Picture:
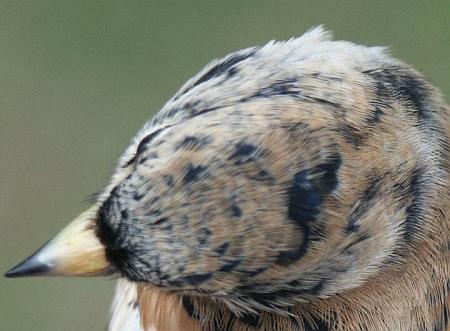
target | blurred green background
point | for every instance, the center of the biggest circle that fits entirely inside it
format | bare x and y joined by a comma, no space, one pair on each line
78,78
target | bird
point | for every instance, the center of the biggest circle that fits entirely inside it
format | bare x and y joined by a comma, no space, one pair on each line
299,185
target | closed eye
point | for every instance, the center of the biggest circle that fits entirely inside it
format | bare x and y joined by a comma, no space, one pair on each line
143,145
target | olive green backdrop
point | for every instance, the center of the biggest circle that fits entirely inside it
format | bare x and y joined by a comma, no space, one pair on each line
78,78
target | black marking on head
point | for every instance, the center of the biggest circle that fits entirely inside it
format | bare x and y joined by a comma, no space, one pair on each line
322,101
196,279
326,77
221,250
376,115
416,91
381,92
286,87
105,231
188,107
204,236
113,230
229,266
252,273
365,202
232,72
304,198
285,258
236,211
382,100
124,214
224,67
149,156
406,86
143,145
153,213
328,173
197,112
137,196
305,195
317,289
193,143
358,240
263,176
154,200
297,127
193,173
168,179
243,153
249,319
414,212
352,134
112,238
314,290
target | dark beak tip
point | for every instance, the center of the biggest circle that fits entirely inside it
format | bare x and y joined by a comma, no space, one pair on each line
29,267
11,273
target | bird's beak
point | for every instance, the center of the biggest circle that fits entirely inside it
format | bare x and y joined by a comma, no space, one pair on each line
75,251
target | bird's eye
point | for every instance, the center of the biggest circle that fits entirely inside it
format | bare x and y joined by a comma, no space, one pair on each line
143,145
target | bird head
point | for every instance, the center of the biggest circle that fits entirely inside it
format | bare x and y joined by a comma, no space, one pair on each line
246,210
271,177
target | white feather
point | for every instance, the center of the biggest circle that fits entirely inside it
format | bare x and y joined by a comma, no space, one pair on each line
124,313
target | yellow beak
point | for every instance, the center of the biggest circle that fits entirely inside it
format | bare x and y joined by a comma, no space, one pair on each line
75,251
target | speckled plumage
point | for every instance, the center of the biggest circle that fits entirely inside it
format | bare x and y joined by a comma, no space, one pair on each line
303,185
